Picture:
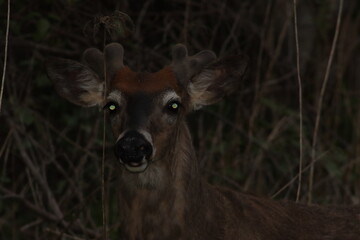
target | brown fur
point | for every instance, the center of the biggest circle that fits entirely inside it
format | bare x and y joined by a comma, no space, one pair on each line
186,207
131,82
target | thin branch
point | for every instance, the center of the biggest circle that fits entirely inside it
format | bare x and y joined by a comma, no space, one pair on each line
61,234
140,19
37,175
232,33
5,53
295,177
186,22
10,195
103,187
254,107
276,131
301,140
44,48
322,93
37,210
64,137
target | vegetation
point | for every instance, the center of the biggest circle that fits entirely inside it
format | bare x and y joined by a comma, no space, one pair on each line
51,151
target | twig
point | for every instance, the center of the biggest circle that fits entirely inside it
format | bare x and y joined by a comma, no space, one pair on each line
277,129
301,140
5,145
232,34
5,54
140,19
218,24
8,194
35,172
322,93
31,225
226,179
37,210
279,47
103,187
255,100
294,178
61,234
42,47
186,22
61,135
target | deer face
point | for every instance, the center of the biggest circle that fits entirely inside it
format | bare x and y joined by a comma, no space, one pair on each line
145,109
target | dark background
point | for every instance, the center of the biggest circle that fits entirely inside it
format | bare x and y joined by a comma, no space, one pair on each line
50,150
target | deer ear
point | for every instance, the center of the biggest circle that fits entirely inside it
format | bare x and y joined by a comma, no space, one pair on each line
75,82
217,80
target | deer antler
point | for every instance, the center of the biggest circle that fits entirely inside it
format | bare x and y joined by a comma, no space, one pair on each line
185,67
94,58
113,55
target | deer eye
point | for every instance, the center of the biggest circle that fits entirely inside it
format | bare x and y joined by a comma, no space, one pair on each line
112,107
173,107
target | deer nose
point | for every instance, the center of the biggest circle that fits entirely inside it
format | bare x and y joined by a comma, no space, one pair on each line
133,148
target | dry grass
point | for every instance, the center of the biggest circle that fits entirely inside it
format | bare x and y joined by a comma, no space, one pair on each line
50,151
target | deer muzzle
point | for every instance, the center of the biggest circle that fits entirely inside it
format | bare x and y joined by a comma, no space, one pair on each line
134,151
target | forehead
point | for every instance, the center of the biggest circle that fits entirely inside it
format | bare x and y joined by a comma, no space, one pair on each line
130,82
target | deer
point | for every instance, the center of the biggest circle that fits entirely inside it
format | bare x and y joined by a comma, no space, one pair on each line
163,194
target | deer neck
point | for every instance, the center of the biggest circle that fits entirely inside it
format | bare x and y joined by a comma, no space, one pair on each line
163,195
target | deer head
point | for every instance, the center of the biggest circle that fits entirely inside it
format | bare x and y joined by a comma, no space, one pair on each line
145,109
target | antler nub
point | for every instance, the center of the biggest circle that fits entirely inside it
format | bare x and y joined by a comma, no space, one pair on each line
179,53
94,58
185,67
114,57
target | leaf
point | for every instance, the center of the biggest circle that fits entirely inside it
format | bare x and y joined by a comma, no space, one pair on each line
25,115
332,168
43,27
